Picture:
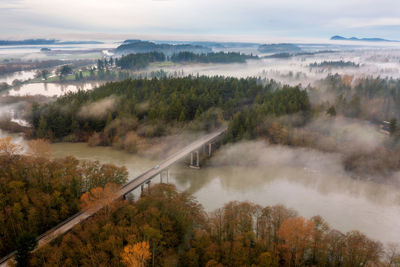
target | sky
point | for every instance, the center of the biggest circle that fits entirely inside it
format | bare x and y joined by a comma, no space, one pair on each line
229,20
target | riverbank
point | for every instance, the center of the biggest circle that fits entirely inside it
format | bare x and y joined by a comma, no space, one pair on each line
311,182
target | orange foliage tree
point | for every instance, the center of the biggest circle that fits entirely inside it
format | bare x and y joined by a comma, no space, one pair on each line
136,255
8,148
99,197
296,234
39,148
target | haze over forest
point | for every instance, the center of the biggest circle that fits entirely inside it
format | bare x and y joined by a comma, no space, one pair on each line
187,133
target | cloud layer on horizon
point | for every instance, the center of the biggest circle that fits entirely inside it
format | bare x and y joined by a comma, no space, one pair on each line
277,18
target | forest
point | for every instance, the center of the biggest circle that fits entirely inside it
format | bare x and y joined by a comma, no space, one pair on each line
220,57
151,107
137,46
37,192
167,228
139,61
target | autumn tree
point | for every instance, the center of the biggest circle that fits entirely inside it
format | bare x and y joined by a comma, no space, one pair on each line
360,250
296,234
100,197
39,148
8,148
136,255
37,194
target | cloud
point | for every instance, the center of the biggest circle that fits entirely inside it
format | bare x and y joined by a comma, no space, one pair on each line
366,22
311,18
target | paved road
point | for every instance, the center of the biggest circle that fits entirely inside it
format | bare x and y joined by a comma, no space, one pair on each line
68,224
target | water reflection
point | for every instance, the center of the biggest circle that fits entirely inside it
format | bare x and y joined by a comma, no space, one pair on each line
21,75
50,89
310,182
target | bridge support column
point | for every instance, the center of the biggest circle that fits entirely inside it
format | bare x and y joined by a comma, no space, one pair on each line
148,185
209,149
167,176
161,177
141,188
197,165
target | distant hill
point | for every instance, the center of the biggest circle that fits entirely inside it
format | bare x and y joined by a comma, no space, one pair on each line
130,41
278,48
44,42
136,46
341,38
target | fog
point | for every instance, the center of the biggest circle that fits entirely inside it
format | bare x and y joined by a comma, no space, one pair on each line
98,109
309,181
313,180
374,62
348,135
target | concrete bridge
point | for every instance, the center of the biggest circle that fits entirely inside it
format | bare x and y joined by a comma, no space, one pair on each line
205,144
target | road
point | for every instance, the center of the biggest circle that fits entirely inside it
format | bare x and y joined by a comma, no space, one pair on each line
68,224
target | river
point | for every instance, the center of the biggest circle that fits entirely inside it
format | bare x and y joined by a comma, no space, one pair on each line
50,89
19,75
310,182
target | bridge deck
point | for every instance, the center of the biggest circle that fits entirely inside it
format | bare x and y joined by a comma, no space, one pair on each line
68,224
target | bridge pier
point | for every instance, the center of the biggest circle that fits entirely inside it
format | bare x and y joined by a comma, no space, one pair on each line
164,174
197,165
148,184
167,176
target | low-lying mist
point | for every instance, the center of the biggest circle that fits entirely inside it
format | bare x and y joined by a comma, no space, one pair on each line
99,109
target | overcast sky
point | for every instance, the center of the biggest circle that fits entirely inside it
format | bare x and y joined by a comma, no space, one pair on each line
252,20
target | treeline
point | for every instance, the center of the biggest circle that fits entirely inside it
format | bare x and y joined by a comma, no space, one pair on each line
220,57
139,61
146,106
37,193
138,46
375,99
142,60
334,64
166,228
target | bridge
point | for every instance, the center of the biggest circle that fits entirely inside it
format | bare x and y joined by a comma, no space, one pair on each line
205,144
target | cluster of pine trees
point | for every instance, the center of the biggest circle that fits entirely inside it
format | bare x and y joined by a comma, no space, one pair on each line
147,106
139,61
212,57
167,228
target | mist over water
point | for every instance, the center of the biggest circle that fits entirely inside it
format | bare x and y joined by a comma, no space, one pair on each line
21,75
49,89
309,181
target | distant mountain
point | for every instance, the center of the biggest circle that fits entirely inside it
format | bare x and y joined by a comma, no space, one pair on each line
341,38
278,48
45,42
136,46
